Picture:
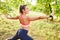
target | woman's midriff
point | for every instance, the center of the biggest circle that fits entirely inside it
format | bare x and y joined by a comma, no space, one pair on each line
25,27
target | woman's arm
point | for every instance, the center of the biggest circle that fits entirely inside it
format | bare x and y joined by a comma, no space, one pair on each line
10,17
38,17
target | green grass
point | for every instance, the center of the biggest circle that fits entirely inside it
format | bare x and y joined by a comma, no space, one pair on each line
38,30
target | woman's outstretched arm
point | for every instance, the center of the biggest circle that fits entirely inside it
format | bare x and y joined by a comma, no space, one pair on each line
38,17
5,15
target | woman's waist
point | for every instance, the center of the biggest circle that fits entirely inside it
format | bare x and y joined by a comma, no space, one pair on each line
25,27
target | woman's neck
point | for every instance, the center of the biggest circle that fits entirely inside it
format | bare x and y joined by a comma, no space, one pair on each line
23,13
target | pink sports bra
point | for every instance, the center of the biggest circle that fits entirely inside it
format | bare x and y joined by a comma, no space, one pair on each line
24,22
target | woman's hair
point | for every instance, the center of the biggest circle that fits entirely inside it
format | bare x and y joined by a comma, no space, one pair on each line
22,7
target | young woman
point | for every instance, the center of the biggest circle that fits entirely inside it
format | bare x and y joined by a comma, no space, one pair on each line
25,21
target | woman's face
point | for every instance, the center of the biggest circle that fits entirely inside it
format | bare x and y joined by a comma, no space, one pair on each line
26,10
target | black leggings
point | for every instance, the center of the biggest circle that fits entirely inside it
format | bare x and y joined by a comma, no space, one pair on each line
22,35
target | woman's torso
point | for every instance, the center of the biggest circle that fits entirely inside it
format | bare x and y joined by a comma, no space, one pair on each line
24,20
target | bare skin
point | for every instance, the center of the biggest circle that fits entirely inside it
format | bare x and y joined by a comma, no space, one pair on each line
30,18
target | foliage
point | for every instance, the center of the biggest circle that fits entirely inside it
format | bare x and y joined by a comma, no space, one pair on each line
41,6
9,5
46,6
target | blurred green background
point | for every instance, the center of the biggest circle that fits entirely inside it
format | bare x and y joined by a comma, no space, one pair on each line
42,29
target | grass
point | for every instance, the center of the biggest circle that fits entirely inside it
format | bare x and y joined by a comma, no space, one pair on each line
38,30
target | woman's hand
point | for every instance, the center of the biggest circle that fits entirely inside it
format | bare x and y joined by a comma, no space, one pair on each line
51,16
5,15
